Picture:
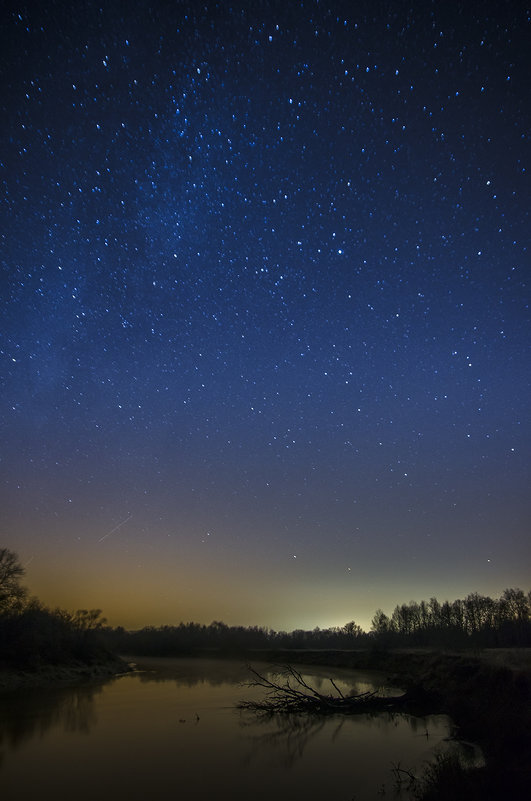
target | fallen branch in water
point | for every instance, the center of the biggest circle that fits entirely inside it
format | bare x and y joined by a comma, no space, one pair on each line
295,695
403,778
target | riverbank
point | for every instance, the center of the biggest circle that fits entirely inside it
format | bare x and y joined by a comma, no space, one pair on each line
55,675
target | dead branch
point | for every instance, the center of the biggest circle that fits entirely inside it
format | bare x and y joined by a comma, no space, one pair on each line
336,688
399,772
296,695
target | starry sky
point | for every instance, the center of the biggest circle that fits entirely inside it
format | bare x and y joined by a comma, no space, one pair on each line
264,306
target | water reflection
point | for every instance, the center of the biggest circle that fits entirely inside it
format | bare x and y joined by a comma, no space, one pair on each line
287,737
215,672
174,728
191,672
71,708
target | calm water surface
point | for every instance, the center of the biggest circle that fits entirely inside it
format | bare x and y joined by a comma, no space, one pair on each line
172,731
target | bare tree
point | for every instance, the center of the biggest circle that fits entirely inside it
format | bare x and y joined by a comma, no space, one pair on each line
87,620
12,593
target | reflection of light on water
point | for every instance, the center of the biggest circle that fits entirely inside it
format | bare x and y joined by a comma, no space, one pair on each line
349,682
31,712
178,711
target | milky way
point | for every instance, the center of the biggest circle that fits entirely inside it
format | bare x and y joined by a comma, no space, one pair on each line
264,306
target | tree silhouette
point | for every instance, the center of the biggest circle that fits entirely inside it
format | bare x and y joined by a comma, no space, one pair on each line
12,593
353,629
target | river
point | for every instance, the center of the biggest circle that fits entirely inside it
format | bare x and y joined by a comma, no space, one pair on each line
172,731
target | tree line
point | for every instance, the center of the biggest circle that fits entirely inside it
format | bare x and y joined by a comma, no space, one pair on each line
476,620
32,634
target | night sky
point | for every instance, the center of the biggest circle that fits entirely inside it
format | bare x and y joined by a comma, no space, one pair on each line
264,306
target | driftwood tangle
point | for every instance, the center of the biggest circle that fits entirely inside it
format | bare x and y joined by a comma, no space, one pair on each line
295,695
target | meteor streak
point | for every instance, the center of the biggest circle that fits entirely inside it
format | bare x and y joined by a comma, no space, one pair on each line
115,528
